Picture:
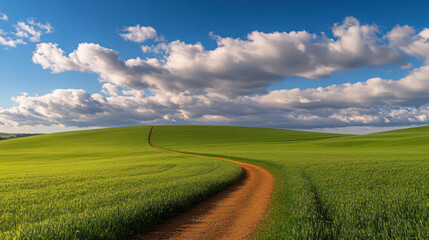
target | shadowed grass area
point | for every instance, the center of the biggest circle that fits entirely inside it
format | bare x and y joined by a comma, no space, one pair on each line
98,184
5,135
328,186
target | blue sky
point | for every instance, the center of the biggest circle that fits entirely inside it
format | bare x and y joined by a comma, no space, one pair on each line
101,22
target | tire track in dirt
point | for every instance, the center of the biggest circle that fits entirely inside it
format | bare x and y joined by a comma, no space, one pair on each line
232,214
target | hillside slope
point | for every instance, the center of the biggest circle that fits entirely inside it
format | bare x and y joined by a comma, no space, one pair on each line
109,183
328,186
98,184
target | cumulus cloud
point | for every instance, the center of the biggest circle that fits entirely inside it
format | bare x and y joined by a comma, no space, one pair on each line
57,62
89,57
140,34
3,16
376,102
110,89
77,108
405,38
236,66
227,85
412,90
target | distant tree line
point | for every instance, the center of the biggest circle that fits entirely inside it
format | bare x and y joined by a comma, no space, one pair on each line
18,135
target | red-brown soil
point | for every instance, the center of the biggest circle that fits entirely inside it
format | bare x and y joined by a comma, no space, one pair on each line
232,214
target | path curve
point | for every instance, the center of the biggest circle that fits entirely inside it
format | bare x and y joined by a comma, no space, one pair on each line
232,214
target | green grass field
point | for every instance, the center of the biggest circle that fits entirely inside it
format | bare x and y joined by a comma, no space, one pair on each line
110,184
328,186
98,184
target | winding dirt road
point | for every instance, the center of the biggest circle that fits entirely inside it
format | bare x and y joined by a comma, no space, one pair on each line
231,214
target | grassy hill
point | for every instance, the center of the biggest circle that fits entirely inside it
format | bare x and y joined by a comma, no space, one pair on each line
328,186
110,184
98,184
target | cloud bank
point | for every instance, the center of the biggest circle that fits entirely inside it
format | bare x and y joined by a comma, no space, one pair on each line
235,67
186,83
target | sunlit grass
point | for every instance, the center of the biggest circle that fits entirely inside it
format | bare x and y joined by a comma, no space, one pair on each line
110,184
328,186
98,184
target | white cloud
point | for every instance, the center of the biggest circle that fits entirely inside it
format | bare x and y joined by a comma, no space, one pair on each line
110,89
9,42
376,102
3,16
32,31
47,28
139,34
77,108
227,85
57,62
412,90
406,66
405,38
236,66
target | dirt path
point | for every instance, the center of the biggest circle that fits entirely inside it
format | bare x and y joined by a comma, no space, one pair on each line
231,214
